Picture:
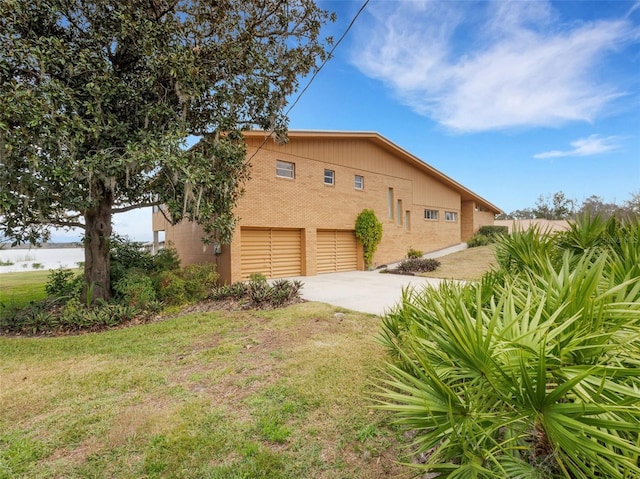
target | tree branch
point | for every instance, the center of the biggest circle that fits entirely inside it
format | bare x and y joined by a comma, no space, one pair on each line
124,209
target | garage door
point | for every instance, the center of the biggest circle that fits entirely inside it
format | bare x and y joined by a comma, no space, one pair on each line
273,252
337,251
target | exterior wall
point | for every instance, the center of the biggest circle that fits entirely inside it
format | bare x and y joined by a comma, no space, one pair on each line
306,203
550,226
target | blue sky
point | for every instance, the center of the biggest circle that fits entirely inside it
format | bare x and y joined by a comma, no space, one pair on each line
512,99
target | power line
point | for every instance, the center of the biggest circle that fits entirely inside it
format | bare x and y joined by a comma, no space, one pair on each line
344,34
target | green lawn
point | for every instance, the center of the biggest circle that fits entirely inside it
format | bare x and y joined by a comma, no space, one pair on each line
19,289
249,394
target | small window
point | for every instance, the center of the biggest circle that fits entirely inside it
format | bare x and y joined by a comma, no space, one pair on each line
358,182
450,216
407,220
329,177
431,215
390,201
400,212
284,169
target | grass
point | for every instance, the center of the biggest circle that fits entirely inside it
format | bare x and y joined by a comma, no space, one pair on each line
468,264
249,394
19,289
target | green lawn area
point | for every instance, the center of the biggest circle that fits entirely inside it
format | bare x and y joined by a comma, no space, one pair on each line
19,289
248,394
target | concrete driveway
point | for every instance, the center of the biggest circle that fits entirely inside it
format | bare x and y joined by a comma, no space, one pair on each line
365,291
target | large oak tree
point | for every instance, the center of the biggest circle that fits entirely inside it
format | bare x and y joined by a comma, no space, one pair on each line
97,98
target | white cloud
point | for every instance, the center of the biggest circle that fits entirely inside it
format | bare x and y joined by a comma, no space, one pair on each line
592,145
486,66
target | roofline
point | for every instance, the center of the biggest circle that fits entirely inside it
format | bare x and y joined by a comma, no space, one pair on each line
465,193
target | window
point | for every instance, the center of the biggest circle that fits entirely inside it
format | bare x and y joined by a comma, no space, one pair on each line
450,216
358,182
284,169
431,215
329,177
399,212
390,201
407,220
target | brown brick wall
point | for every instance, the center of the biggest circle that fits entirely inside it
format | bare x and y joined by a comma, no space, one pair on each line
308,204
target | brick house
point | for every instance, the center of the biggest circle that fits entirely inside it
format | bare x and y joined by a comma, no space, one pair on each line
298,213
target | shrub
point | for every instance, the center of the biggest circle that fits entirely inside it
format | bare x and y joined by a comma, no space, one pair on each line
257,292
135,289
493,230
487,235
63,283
369,233
284,291
171,288
76,316
479,240
525,250
418,265
414,253
531,372
199,280
235,291
125,255
73,316
166,259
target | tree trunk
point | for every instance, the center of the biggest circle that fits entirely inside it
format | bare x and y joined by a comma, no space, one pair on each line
97,264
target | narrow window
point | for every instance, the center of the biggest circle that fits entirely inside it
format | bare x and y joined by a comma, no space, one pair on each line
390,197
450,216
407,220
284,169
329,177
358,182
431,215
399,212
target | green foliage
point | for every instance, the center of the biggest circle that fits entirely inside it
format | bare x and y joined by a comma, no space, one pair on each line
199,280
257,278
369,233
418,265
493,230
97,99
479,240
171,288
135,289
234,291
531,372
487,235
526,249
63,283
166,259
127,254
414,253
46,317
284,291
258,293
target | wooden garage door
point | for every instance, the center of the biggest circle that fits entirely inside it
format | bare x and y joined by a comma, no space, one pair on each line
276,253
337,251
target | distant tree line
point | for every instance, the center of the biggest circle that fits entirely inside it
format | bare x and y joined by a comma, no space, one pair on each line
559,207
